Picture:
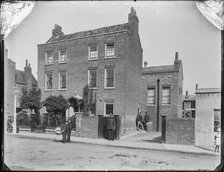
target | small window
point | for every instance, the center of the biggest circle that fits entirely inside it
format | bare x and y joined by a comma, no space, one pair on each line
109,108
110,50
93,52
166,95
62,56
92,78
48,81
62,80
109,78
151,96
49,57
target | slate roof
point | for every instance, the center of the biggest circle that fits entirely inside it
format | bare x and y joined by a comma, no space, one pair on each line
208,90
189,98
158,69
82,34
20,78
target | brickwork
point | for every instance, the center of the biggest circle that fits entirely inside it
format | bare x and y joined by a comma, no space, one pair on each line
167,77
180,131
87,126
127,64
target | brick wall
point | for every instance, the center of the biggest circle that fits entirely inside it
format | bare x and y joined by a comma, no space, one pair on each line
180,131
87,126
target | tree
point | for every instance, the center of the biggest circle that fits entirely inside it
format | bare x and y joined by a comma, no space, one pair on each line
30,99
88,99
56,107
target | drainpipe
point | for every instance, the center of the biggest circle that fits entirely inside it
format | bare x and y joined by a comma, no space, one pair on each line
157,129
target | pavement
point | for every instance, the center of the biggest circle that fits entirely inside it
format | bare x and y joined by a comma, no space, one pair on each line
135,140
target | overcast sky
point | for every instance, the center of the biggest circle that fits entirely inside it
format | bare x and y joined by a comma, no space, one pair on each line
164,28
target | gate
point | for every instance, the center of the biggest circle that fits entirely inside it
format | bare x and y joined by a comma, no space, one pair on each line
102,127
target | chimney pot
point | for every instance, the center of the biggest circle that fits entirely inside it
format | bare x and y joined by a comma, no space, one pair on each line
176,56
186,93
29,64
145,64
26,63
196,86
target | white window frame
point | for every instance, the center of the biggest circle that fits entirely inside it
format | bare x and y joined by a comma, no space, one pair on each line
108,57
109,102
163,88
105,79
46,58
96,78
95,58
45,82
59,75
154,97
59,56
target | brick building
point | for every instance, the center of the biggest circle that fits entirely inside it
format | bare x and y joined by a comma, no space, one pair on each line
109,59
189,106
162,91
15,78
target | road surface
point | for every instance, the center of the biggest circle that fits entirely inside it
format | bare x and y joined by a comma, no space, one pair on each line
35,154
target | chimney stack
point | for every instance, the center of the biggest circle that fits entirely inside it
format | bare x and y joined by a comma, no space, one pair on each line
28,75
186,94
145,64
196,87
133,22
57,31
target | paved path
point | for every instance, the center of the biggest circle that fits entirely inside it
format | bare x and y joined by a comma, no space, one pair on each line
123,142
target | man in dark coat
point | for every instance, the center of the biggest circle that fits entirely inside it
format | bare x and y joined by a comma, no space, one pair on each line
69,130
111,125
139,121
64,130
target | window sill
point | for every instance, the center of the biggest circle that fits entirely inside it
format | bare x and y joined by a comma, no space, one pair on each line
93,88
110,57
93,59
166,104
64,89
49,90
109,88
148,104
49,64
62,62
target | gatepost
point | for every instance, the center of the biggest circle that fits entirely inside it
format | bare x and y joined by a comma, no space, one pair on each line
163,129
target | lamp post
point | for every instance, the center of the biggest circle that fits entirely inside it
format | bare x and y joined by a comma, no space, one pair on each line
15,91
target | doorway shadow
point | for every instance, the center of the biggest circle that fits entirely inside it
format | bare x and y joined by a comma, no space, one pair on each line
155,140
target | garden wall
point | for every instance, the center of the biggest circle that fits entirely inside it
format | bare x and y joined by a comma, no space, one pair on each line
87,126
180,131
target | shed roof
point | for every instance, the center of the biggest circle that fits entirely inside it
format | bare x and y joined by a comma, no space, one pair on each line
208,90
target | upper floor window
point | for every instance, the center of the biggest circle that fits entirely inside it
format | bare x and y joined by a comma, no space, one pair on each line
109,78
62,56
110,50
151,96
62,80
166,95
93,52
92,77
49,57
48,81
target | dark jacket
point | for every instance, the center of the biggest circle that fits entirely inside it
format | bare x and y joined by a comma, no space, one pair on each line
139,118
64,127
111,123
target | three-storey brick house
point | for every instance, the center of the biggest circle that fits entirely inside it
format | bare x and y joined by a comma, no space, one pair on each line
109,59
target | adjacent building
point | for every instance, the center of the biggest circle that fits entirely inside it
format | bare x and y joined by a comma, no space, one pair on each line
208,115
162,91
108,59
189,106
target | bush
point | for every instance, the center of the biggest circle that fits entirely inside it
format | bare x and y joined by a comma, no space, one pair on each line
23,119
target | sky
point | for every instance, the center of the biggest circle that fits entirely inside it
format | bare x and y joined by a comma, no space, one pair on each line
165,27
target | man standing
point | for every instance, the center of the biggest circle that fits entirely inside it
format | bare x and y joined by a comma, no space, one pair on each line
111,125
139,121
69,130
64,130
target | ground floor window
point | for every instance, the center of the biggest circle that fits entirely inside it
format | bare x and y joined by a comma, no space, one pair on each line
109,108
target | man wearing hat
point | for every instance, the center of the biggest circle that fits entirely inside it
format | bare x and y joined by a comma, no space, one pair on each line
111,125
69,130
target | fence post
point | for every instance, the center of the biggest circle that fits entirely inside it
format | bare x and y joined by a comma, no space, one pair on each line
163,129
